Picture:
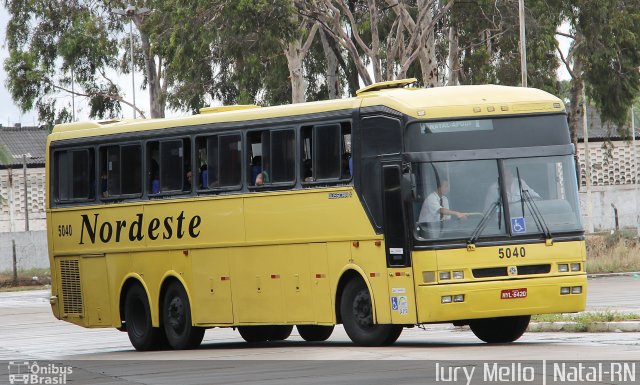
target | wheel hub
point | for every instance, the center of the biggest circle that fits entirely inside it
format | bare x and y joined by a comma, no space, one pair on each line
176,314
362,309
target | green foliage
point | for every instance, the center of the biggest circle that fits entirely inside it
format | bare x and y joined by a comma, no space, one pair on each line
47,41
489,42
611,55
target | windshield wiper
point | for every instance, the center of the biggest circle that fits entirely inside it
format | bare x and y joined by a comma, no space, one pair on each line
537,215
538,218
483,224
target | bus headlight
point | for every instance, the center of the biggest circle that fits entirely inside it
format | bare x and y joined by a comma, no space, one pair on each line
565,290
575,267
563,268
458,275
458,298
446,299
576,290
444,275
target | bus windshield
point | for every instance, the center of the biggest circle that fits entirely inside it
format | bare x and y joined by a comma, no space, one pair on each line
466,199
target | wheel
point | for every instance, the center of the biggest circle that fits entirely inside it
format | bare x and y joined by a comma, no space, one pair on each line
255,333
500,330
314,333
280,332
357,318
137,316
176,319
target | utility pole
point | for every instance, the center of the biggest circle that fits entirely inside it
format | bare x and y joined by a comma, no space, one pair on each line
635,164
523,44
26,193
587,162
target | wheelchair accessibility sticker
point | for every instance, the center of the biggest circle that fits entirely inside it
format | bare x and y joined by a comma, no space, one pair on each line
518,225
400,304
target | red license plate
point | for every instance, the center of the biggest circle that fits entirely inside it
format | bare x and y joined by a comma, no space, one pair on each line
513,293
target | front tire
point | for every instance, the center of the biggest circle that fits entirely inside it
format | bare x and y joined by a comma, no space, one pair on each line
137,316
501,329
176,318
315,333
357,318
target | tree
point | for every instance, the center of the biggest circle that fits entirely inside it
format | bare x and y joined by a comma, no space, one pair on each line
603,57
73,48
389,36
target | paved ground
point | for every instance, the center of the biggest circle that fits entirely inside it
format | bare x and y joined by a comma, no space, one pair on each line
29,332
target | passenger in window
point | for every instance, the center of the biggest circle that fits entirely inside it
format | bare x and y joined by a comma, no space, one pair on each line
263,177
154,172
307,171
188,180
204,176
435,209
104,185
346,164
513,186
256,169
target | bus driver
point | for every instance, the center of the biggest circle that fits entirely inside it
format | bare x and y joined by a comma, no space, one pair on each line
435,209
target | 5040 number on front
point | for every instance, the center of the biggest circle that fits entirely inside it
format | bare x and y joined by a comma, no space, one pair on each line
515,252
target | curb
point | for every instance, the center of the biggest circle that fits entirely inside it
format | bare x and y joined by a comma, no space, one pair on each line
591,327
625,274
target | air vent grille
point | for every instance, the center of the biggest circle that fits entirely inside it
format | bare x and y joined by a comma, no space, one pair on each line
71,290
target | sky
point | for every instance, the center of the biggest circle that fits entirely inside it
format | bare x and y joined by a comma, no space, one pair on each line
10,114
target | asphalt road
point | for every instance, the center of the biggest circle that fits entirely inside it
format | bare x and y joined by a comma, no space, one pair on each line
29,332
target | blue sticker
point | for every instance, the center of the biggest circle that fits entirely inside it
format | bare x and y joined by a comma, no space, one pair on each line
394,303
518,225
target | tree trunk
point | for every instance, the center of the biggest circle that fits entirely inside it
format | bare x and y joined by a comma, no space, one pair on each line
333,76
296,75
156,97
428,61
575,110
453,60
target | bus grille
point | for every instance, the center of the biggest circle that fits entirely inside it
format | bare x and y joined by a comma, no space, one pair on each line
71,293
490,272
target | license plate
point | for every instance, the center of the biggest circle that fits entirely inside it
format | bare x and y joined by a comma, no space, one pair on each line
513,293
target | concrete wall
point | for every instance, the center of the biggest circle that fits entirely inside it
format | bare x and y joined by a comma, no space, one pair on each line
12,195
602,214
31,250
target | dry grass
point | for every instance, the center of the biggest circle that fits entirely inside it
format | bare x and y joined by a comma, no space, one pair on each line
25,278
613,253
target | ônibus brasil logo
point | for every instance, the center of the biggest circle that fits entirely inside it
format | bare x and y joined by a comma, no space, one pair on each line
25,372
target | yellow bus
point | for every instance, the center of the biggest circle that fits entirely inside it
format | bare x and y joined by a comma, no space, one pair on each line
398,207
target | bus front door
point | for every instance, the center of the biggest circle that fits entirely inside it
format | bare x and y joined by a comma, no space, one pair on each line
401,285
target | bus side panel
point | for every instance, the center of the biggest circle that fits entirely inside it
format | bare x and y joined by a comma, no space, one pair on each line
256,285
118,267
296,283
211,287
321,298
96,290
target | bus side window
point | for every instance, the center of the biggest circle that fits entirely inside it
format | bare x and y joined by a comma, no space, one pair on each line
326,152
74,175
120,171
282,156
222,165
153,167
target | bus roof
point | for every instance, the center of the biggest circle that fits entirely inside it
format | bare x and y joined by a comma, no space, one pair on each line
421,103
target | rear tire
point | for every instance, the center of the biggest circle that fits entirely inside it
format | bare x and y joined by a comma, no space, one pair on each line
253,334
357,317
137,316
315,333
280,332
501,329
176,318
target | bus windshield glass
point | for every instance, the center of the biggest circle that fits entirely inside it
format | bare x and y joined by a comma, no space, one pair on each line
466,199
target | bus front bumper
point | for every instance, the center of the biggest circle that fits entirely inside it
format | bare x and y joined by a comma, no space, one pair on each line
488,299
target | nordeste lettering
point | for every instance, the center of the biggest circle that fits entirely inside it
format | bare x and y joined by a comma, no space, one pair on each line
166,228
